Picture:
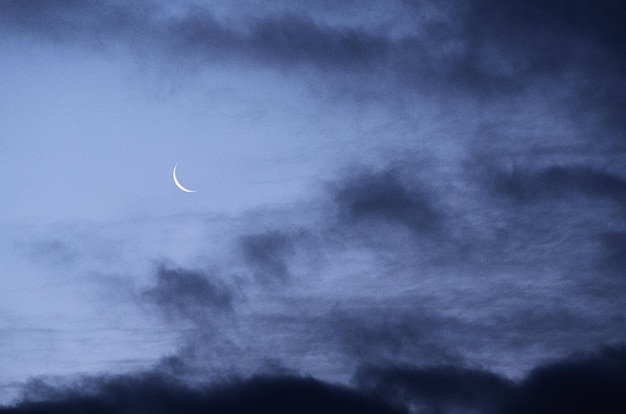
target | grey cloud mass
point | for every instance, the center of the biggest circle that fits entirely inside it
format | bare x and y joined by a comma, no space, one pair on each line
579,384
559,182
383,195
408,207
267,254
188,293
479,47
615,251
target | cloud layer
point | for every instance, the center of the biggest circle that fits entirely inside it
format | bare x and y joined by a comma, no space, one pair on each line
593,382
459,248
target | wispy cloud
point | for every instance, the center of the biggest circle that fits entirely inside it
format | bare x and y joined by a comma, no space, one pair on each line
476,47
383,196
189,293
467,224
267,254
561,181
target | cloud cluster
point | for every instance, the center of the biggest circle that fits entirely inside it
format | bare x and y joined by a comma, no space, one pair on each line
267,253
579,384
407,284
435,282
403,274
382,195
468,45
188,294
160,394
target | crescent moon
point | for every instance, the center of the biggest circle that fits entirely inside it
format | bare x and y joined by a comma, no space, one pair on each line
178,184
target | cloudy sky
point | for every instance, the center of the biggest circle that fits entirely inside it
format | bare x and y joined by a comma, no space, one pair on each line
400,206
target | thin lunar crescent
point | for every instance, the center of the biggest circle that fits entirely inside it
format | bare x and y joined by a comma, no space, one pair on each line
178,184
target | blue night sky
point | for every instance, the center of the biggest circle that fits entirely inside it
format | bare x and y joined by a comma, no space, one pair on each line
400,207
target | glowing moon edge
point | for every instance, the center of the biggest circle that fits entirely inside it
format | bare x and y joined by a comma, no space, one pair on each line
178,184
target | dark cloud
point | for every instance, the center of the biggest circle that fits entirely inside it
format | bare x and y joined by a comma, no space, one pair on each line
581,384
438,388
575,44
461,46
525,185
284,39
189,293
365,337
159,394
383,196
510,275
275,39
69,21
614,257
388,333
548,36
267,254
295,40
